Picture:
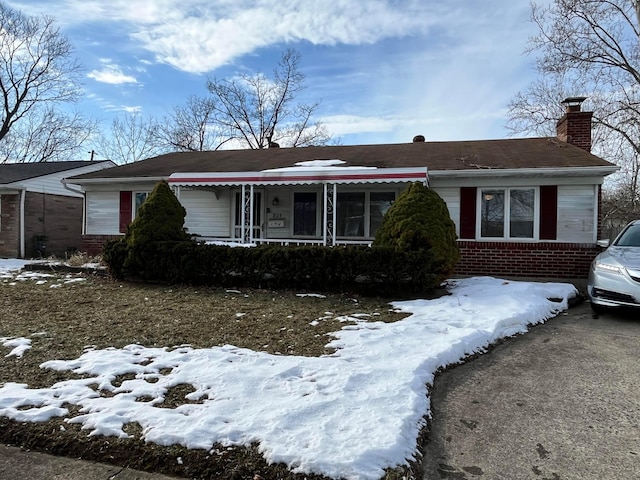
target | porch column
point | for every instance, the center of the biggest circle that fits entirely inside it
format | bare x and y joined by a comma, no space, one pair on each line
247,214
329,217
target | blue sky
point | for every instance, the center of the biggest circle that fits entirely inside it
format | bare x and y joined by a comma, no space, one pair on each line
384,70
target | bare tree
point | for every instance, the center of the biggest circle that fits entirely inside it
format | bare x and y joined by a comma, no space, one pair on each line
131,138
48,136
588,47
37,74
260,112
192,127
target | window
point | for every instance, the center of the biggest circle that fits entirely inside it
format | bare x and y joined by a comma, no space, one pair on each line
379,203
350,214
139,198
507,212
305,213
360,214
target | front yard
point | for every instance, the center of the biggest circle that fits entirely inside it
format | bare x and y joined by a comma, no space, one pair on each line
214,383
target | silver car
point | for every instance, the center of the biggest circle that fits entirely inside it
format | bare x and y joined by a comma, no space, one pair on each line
614,277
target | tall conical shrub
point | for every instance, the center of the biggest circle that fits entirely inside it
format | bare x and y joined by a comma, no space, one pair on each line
419,220
159,218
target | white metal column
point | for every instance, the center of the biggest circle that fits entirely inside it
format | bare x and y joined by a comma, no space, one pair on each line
329,216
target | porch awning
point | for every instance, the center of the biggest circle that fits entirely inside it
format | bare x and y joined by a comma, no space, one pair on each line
301,176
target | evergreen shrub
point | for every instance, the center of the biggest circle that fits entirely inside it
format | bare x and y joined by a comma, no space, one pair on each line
418,221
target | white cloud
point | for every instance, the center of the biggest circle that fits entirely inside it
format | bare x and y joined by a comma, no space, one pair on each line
385,70
200,35
111,73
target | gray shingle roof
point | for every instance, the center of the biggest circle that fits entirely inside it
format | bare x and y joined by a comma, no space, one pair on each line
459,155
17,172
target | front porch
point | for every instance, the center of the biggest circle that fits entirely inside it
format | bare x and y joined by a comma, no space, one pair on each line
296,206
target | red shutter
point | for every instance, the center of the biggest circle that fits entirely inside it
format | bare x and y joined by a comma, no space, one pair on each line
548,212
125,210
468,199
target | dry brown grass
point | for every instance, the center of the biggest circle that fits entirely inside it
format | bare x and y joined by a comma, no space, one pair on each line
101,312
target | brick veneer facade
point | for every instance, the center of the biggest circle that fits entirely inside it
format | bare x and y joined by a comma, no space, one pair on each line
92,244
553,260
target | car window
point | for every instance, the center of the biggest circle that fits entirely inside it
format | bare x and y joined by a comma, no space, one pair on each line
630,237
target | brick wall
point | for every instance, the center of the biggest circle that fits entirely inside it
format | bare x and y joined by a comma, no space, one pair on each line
553,260
9,225
575,128
92,244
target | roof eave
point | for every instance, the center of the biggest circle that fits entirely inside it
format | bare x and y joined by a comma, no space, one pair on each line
600,171
102,180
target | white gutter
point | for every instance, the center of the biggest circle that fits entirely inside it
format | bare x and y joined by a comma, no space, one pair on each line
90,181
526,172
67,187
23,194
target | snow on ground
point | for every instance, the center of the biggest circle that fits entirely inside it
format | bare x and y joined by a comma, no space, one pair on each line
349,414
19,345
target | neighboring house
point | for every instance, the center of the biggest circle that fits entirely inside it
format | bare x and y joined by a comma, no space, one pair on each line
522,207
39,216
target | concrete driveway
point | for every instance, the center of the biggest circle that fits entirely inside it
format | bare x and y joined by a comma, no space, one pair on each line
561,402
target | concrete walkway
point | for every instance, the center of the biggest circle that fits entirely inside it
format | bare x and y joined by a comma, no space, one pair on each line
559,403
16,464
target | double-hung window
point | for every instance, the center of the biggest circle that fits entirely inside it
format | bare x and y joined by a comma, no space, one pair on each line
360,214
508,213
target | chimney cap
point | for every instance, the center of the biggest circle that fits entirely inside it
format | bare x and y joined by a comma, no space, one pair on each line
573,100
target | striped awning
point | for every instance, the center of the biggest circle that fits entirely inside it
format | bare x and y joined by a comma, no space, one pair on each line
301,176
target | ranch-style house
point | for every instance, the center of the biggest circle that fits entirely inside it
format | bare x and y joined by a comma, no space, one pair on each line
522,207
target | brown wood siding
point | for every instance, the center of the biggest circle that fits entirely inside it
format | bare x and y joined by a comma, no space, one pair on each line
9,225
53,225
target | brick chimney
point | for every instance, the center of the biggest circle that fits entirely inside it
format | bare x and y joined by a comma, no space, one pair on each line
575,126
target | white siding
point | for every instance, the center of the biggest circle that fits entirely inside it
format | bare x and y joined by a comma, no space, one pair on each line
103,213
451,197
207,215
52,183
576,213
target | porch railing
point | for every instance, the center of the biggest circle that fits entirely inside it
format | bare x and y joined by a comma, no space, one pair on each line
281,241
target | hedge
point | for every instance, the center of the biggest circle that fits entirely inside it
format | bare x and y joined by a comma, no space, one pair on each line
353,269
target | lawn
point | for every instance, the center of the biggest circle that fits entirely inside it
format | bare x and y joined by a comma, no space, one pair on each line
63,313
210,383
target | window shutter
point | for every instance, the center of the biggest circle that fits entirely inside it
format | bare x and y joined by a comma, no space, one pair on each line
468,199
126,201
548,212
